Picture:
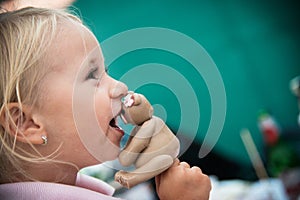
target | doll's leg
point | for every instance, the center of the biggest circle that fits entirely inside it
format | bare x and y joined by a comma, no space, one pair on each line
152,168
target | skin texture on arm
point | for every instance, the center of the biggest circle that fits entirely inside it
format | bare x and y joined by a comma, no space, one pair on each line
152,146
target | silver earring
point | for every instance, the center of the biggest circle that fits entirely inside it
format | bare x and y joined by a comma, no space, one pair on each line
45,139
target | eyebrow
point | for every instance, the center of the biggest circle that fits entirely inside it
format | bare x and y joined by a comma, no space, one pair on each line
91,59
92,64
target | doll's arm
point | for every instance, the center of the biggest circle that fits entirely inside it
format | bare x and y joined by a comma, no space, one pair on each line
139,140
132,150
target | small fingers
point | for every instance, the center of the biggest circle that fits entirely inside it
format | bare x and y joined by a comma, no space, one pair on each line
184,164
196,169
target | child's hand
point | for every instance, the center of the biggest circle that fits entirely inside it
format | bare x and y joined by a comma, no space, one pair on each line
181,181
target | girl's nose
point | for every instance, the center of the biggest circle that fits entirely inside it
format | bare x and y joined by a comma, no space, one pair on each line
118,90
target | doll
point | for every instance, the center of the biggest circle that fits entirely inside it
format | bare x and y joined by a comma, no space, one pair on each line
151,147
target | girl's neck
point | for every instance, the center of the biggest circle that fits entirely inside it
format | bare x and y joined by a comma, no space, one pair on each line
56,173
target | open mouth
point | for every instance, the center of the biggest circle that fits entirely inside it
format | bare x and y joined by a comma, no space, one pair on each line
113,123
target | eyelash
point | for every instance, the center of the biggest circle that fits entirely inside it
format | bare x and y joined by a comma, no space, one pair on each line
91,74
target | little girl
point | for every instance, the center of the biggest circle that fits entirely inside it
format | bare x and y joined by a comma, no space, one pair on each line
58,110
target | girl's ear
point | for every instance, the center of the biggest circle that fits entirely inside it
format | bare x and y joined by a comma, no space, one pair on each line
19,122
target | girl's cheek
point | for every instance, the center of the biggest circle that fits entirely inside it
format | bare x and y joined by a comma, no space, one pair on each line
101,104
104,81
98,84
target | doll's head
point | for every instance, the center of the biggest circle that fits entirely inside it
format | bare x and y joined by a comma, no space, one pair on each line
136,109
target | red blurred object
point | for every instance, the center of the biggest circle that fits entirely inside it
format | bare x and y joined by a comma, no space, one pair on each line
269,128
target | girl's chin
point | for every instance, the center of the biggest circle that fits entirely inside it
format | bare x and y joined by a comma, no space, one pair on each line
110,154
115,136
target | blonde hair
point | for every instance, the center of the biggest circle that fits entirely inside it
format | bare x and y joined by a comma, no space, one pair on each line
25,37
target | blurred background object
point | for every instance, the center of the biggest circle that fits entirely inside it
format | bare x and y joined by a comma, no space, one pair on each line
295,88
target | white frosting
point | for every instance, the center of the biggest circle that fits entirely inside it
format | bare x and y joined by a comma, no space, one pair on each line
128,100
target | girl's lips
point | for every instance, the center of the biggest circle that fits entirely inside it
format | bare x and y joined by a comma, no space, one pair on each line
113,124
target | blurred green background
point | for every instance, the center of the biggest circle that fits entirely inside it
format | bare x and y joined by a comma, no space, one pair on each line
255,45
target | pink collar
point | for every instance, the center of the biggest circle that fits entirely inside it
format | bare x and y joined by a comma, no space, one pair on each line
85,188
94,184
